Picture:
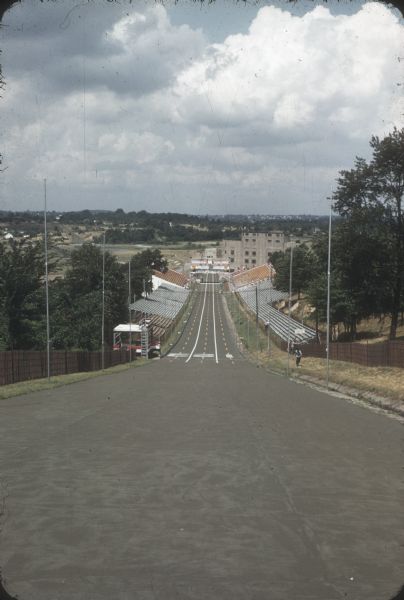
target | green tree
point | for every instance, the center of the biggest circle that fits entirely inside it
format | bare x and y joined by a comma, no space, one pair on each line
342,308
22,295
360,281
302,269
76,301
372,193
142,265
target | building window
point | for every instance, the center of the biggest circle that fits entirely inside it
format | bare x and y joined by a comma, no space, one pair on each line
254,253
253,261
247,253
253,240
232,260
278,241
246,261
246,240
232,252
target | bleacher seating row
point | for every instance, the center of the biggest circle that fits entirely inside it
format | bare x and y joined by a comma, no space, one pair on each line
165,302
266,292
283,326
160,325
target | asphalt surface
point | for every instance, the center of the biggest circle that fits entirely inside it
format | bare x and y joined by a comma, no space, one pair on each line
199,478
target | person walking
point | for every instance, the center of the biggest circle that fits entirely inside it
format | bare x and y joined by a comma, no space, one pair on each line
298,355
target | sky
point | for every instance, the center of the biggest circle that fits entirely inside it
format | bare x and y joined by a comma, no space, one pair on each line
223,108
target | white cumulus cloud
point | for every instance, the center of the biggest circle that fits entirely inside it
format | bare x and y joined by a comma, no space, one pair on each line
299,72
125,104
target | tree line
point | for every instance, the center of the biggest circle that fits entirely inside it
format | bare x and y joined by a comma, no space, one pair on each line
367,244
75,300
144,227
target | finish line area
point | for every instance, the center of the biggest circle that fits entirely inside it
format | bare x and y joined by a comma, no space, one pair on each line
203,355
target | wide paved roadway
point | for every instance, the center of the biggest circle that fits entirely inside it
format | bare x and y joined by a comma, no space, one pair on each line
199,478
207,335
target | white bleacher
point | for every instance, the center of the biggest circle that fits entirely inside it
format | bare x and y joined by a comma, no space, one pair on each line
283,326
166,301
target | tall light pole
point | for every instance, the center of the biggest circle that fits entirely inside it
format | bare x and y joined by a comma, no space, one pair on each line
46,285
248,330
256,315
328,296
269,315
130,313
290,298
238,309
103,306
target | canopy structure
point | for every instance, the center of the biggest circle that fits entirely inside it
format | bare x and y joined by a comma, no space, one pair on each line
127,328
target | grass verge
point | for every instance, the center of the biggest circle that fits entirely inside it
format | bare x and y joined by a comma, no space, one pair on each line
385,382
37,385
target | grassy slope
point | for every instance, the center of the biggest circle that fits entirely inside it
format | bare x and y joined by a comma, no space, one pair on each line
37,385
387,382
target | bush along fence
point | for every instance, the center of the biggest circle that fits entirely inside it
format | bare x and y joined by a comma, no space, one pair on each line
21,365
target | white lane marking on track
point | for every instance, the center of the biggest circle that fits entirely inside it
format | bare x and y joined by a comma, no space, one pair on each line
204,355
200,322
214,325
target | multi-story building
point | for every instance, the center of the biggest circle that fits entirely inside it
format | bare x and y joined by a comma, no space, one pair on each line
256,248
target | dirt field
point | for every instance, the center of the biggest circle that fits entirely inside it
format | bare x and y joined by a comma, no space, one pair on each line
178,256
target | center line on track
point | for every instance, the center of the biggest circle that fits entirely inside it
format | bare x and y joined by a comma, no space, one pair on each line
200,322
214,325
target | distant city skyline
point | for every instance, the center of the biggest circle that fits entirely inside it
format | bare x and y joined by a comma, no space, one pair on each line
223,108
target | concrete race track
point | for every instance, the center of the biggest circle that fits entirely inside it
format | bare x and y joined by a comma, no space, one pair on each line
199,476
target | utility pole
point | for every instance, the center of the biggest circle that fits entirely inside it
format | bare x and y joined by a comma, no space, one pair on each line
290,299
46,285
